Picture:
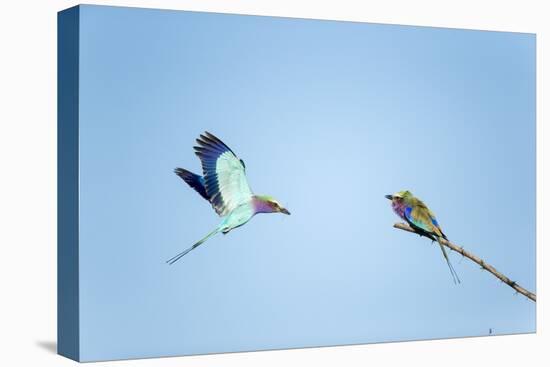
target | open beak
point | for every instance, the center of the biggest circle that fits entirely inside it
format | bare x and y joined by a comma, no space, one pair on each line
284,211
389,197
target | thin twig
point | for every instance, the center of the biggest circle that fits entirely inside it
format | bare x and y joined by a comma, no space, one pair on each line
480,262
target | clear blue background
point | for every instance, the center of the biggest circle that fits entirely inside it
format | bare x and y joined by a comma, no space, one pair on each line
329,117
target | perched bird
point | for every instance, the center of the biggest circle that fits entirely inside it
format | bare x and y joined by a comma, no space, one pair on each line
421,219
224,185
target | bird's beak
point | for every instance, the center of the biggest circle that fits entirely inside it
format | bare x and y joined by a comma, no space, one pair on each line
389,197
284,211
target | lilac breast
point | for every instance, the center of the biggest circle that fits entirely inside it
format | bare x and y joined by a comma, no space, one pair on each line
399,209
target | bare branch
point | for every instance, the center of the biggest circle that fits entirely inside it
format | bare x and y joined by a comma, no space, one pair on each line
480,262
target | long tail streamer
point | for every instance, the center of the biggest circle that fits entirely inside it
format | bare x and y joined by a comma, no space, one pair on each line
456,279
183,253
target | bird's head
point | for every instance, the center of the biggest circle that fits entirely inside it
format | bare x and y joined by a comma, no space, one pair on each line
399,197
268,204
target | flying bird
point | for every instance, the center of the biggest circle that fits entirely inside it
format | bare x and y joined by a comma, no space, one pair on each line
421,219
225,186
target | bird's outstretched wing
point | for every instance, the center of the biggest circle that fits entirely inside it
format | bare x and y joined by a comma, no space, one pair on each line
224,174
193,180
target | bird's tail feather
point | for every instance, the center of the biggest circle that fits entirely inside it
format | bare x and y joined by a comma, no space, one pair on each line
456,279
183,253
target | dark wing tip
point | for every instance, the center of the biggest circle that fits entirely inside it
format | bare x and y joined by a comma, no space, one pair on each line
184,174
210,141
211,136
180,171
206,142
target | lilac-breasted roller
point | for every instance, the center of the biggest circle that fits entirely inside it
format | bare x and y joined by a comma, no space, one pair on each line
224,185
421,219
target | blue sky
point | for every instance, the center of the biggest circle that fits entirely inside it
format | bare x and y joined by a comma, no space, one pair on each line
329,117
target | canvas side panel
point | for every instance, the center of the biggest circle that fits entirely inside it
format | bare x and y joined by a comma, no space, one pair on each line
67,183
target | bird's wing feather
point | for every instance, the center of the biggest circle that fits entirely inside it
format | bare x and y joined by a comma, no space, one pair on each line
224,174
193,180
423,218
